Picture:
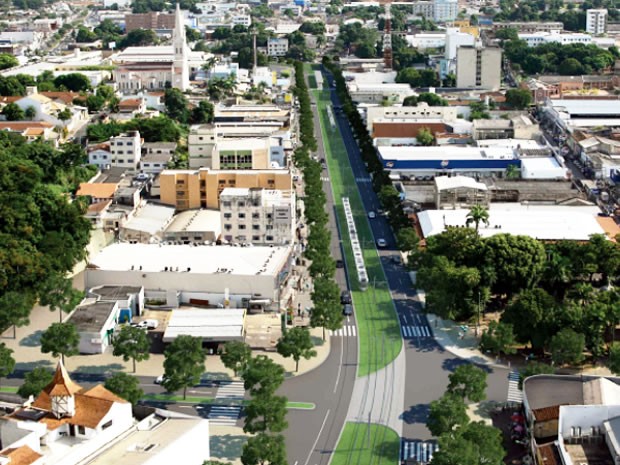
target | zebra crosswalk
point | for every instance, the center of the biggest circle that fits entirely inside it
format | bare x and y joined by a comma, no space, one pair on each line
227,415
324,179
410,332
363,180
514,393
347,330
418,451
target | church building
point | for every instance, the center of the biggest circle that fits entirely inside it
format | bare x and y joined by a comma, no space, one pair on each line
158,67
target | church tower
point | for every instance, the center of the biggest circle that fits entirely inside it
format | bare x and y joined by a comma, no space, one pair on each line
62,392
180,66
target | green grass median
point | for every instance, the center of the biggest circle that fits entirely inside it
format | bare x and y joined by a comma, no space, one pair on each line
379,331
367,444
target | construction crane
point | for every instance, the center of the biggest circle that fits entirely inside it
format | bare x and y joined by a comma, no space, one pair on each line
387,38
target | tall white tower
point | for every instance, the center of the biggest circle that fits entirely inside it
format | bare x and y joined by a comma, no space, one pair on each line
180,67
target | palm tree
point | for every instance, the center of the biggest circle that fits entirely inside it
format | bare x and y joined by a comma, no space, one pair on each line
477,214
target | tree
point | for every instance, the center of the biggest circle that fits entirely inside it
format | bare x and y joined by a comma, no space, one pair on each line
407,240
326,312
498,338
58,293
13,112
296,343
30,113
184,363
518,98
65,115
95,103
236,356
530,315
487,441
468,381
534,368
7,362
139,38
446,414
454,449
613,362
85,35
125,386
202,113
61,340
192,34
262,376
478,110
567,347
425,137
571,67
176,105
34,382
75,82
477,214
265,413
264,449
8,61
131,343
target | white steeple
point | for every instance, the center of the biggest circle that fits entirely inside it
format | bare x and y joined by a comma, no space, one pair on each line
180,71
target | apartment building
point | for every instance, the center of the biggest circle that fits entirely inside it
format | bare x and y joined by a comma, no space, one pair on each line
478,68
258,216
126,150
445,10
596,21
151,20
277,47
241,20
186,189
525,26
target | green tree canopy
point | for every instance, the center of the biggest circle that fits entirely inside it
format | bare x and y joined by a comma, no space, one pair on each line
7,61
296,343
425,137
7,362
125,386
518,98
176,105
468,382
265,413
12,112
477,214
75,82
184,363
236,356
35,381
498,338
530,314
567,347
262,376
61,340
446,414
131,343
264,449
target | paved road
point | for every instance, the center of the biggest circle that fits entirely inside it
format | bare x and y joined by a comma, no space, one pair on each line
427,364
312,435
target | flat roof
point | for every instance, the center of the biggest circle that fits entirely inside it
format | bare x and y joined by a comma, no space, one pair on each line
458,182
212,324
545,222
201,259
588,107
196,221
150,219
91,317
544,163
446,153
115,292
162,433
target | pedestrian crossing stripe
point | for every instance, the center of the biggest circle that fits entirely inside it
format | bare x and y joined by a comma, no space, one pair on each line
420,451
415,331
350,331
363,180
514,393
324,179
224,415
230,390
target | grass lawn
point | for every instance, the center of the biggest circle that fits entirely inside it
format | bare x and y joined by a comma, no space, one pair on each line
211,400
378,327
357,444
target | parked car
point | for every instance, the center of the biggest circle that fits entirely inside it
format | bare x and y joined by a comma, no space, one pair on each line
381,243
160,379
148,324
339,264
372,215
345,297
347,310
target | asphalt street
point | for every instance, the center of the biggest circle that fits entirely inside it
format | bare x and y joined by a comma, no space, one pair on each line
312,435
427,364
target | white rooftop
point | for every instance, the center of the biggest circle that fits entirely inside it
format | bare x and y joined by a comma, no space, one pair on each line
545,222
446,153
455,182
588,107
151,219
511,143
196,221
212,324
248,143
201,259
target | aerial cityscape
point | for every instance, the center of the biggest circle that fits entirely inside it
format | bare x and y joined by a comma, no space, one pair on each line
309,232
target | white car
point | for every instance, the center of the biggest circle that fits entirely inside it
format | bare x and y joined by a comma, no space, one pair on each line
148,324
160,379
372,215
381,243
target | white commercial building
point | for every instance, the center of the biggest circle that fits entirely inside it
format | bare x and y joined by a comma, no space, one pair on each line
258,216
211,325
378,93
596,21
542,168
424,40
544,222
537,38
179,274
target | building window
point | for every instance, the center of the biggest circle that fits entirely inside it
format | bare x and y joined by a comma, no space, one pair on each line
241,215
241,238
121,161
180,193
81,430
269,238
227,216
256,238
242,226
119,143
129,143
106,425
227,227
269,216
226,204
269,227
255,216
256,227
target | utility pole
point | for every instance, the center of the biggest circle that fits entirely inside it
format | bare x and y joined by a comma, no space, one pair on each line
387,38
255,52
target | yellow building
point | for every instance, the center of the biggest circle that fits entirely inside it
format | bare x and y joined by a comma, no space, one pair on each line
465,27
201,188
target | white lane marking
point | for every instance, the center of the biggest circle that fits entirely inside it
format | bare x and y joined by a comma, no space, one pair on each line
339,367
317,437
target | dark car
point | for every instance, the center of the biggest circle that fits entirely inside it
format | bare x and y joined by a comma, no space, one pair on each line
347,310
339,264
345,297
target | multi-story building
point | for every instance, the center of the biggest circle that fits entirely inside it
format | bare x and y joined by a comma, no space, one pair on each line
201,188
445,10
277,47
151,20
126,150
423,8
522,26
537,38
596,21
478,68
241,20
258,216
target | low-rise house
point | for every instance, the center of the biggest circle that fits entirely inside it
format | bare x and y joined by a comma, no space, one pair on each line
132,106
159,148
95,322
155,163
97,191
52,111
147,224
100,155
32,130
